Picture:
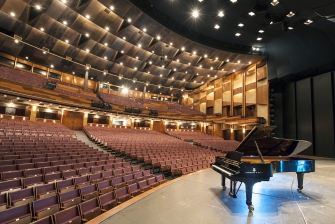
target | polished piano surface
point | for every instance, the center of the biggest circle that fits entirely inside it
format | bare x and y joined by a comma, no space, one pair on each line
257,157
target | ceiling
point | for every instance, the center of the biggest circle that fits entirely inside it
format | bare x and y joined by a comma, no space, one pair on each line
159,43
133,53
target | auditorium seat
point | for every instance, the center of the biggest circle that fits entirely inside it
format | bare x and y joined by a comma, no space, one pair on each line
45,207
20,214
69,174
20,197
10,185
80,182
45,191
160,179
129,179
107,201
70,215
147,174
69,199
32,181
105,187
134,189
12,175
53,177
89,192
153,182
108,175
3,202
143,184
95,178
33,172
122,195
139,176
65,186
89,209
46,220
118,182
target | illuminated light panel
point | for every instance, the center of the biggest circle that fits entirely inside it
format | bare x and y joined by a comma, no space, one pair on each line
259,38
261,31
217,26
195,13
240,24
220,14
237,34
251,13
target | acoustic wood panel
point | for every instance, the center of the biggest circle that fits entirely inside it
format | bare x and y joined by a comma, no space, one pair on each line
73,120
237,90
250,86
226,87
262,96
261,73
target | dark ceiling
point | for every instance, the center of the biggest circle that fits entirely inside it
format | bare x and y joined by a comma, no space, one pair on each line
189,51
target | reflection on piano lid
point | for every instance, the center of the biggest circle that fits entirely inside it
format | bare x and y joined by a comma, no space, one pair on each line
270,146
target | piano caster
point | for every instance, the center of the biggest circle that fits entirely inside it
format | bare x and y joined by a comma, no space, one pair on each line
224,187
299,190
251,208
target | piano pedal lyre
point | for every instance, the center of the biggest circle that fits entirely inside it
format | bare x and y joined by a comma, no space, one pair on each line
233,191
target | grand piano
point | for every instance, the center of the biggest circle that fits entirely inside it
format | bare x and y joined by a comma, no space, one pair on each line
257,157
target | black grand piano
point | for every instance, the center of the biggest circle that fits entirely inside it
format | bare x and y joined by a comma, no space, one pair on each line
257,157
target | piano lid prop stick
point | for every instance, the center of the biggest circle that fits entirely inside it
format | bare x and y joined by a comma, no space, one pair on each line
259,151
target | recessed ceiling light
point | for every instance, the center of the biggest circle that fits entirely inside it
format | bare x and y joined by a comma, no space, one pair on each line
233,1
211,68
135,68
274,2
251,13
122,52
65,22
200,66
234,70
144,30
200,0
106,44
177,60
171,43
87,50
105,58
64,1
87,35
194,52
308,22
216,26
150,62
237,34
240,24
172,77
216,58
51,66
107,28
129,20
26,57
290,14
195,81
183,48
38,7
221,14
259,38
111,7
160,75
238,61
121,63
88,16
137,57
197,74
271,22
67,41
124,38
158,37
42,29
205,56
249,62
227,60
139,45
290,28
195,13
261,31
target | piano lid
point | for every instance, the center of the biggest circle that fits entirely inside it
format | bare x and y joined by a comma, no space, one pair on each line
270,146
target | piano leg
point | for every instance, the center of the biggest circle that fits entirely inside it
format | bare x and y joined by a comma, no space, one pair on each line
300,178
223,182
248,189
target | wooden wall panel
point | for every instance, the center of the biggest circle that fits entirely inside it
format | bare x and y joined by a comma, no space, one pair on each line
159,126
261,73
73,120
262,96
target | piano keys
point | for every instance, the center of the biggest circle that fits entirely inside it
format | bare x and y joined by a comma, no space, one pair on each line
258,157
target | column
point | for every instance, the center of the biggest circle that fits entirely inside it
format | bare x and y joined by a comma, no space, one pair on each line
86,80
110,122
243,132
33,113
132,124
144,91
151,125
178,124
232,134
85,119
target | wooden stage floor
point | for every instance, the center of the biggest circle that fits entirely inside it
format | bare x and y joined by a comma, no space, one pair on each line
199,198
